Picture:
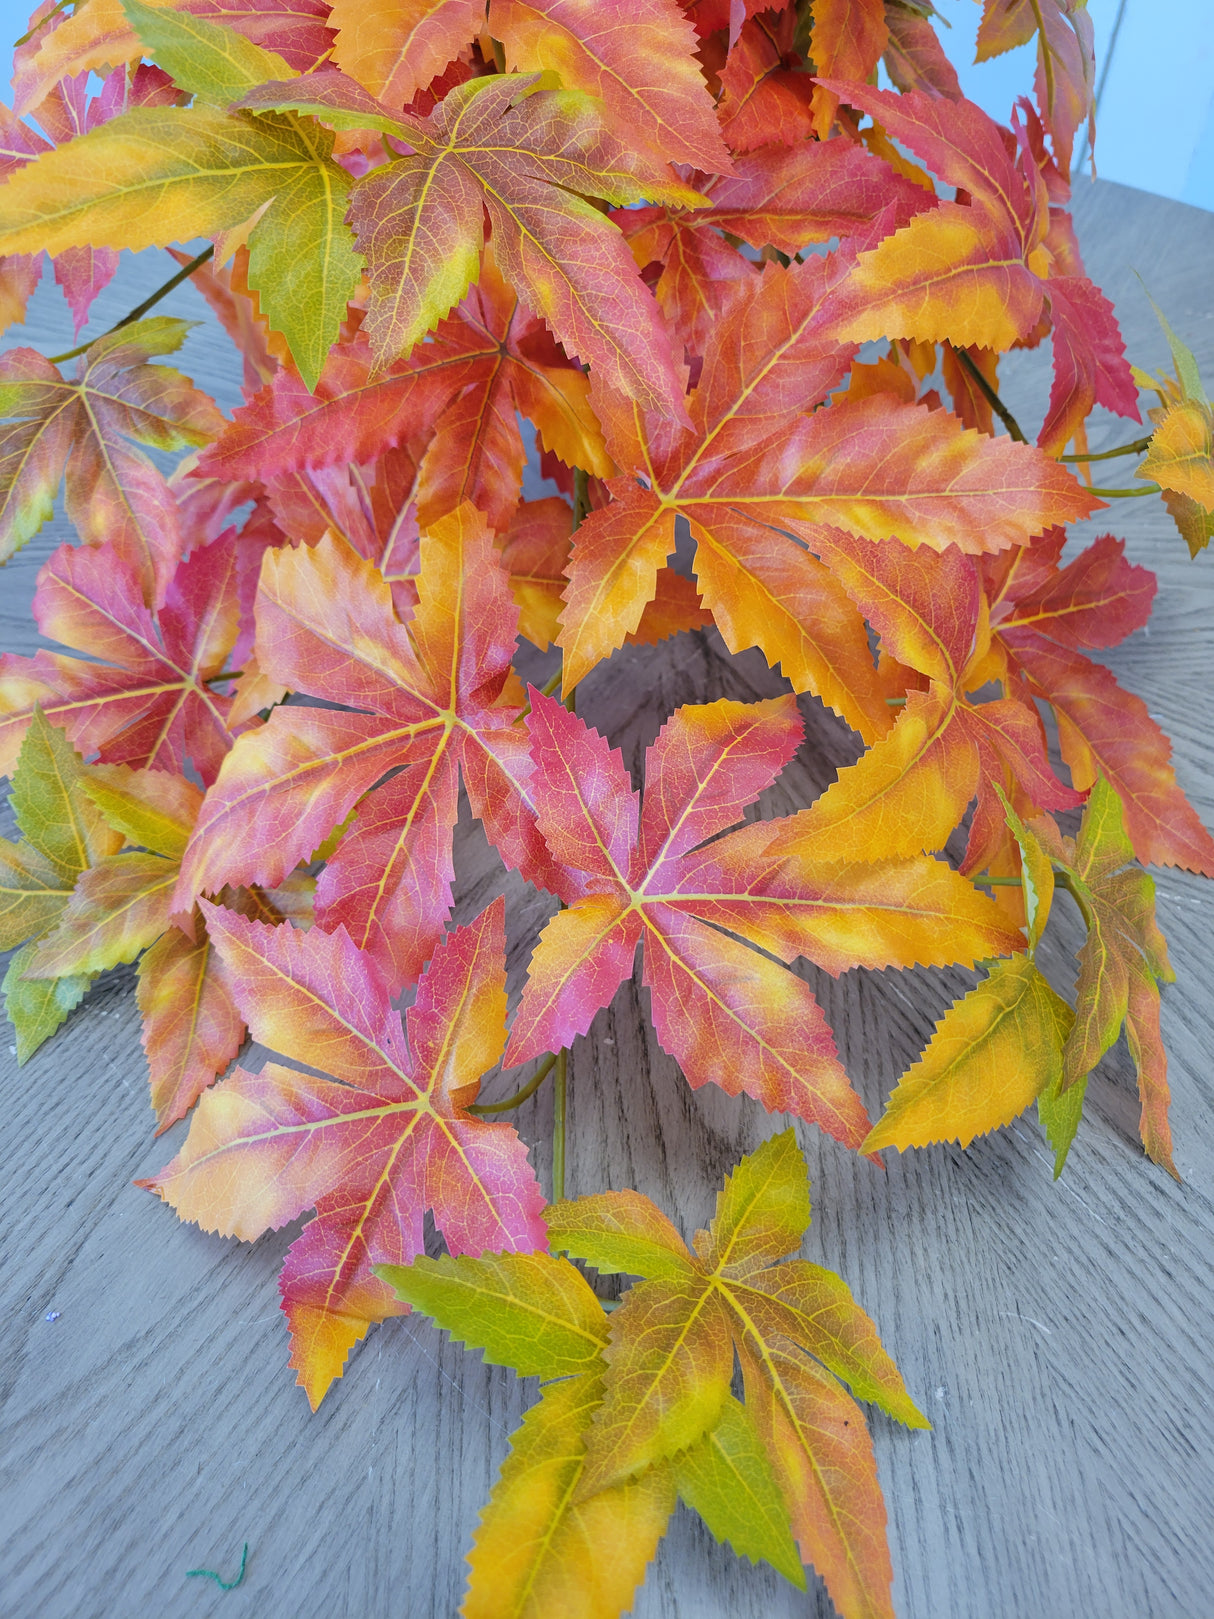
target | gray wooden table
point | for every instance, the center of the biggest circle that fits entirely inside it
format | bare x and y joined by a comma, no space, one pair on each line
1058,1335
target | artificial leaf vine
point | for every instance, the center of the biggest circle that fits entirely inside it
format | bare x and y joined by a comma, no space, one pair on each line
656,235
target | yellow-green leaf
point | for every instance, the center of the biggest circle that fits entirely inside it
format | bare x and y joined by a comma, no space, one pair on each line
993,1052
215,64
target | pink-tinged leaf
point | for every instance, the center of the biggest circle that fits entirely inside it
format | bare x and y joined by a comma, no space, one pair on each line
587,809
1090,366
762,99
847,42
371,1153
327,626
149,702
83,429
1095,601
83,272
118,908
706,766
1105,730
914,57
729,1015
580,960
298,30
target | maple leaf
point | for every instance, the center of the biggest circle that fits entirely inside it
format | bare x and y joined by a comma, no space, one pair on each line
750,467
974,273
428,710
644,1409
370,1149
1121,966
992,1054
84,425
150,702
395,51
636,58
63,835
724,1012
156,175
502,149
1066,63
911,788
1045,618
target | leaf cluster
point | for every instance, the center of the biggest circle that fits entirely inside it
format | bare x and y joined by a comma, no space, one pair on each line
744,312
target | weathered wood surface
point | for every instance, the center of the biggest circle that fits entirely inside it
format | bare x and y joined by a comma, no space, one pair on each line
1058,1335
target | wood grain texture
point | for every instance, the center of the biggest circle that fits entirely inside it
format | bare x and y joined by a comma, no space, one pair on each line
1058,1335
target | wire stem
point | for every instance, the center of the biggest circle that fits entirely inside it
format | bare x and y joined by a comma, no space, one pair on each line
140,310
559,1095
1126,494
1139,447
519,1097
989,394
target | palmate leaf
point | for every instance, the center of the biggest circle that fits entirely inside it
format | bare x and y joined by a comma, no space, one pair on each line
84,426
150,701
981,273
1045,618
370,1149
159,175
395,51
424,707
752,464
725,1012
525,158
911,788
644,1409
63,835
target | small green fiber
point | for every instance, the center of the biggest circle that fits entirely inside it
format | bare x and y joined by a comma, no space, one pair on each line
210,1574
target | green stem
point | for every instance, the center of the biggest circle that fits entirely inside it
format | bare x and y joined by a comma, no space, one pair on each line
896,702
559,1094
140,310
999,882
1126,494
550,686
581,496
1047,57
1064,880
1139,447
53,12
989,394
519,1097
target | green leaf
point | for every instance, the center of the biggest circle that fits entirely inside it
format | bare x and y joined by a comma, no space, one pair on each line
215,64
529,1311
1060,1112
157,175
726,1477
36,1007
55,815
1037,875
762,1210
618,1232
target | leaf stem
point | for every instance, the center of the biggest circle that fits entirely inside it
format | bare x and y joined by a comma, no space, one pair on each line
519,1097
1126,494
581,496
559,1096
989,394
998,882
1139,447
140,310
550,686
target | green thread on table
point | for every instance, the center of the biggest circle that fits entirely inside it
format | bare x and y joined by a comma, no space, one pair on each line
210,1574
